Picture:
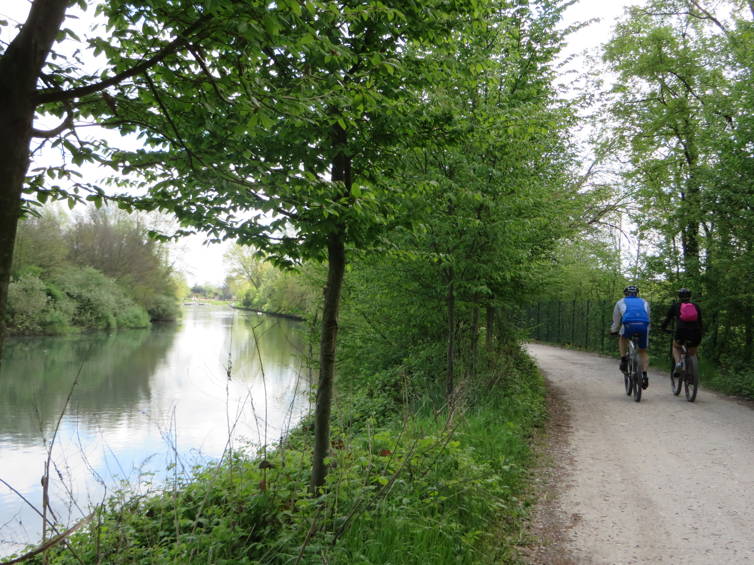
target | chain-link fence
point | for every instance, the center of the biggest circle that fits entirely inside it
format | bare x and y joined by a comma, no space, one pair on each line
584,324
575,323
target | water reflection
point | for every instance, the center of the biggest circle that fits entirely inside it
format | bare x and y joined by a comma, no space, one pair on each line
171,395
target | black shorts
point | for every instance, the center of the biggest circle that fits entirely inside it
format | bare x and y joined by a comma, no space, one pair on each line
692,336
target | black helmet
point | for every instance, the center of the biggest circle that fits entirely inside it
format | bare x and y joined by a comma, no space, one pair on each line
631,290
684,294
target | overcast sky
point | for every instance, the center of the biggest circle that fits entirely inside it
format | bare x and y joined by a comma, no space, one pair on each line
204,264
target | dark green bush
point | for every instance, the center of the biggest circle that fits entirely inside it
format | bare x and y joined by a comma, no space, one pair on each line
35,307
100,302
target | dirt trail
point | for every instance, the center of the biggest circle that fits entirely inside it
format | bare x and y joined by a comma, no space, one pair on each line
661,481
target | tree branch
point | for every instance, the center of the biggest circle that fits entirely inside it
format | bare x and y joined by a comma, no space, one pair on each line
165,113
51,542
45,96
47,134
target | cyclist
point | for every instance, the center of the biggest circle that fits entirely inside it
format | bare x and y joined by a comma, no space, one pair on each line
688,325
631,316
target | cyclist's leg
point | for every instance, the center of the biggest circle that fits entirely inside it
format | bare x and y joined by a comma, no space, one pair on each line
644,356
622,344
677,351
643,331
623,349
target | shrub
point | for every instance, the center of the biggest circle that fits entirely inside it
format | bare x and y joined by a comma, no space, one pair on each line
163,308
37,307
100,302
27,302
133,316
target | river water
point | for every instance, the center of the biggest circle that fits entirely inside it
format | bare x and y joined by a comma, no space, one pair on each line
142,404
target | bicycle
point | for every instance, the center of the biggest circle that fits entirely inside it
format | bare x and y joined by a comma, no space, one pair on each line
687,375
632,376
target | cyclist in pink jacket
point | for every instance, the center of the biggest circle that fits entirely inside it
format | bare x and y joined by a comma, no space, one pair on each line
688,324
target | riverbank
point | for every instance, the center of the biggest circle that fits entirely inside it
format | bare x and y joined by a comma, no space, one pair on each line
407,484
293,317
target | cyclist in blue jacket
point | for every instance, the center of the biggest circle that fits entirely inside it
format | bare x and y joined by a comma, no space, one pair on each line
631,316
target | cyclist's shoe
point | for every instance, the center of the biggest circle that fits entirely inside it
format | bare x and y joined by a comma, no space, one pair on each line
623,364
644,381
679,366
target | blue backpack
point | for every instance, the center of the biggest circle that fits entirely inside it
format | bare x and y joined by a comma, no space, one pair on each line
635,310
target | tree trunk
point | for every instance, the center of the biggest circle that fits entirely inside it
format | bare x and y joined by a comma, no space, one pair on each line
451,307
474,341
20,67
335,272
336,265
748,332
690,202
491,327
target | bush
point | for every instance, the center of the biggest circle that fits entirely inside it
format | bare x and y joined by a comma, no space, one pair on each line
132,317
100,302
35,307
163,308
27,302
734,378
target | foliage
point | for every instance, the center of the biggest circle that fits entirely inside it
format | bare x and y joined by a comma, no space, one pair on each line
119,246
683,104
311,105
28,60
74,297
259,285
35,307
41,243
133,270
100,302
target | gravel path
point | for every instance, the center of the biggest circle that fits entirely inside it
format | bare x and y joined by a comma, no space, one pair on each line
661,481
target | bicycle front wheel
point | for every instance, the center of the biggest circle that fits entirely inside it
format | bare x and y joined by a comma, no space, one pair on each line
692,378
628,382
676,380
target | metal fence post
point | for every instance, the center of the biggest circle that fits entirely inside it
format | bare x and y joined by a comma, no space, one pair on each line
573,322
586,329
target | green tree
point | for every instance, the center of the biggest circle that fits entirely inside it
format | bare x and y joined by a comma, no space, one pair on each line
280,137
496,170
40,244
683,105
35,80
119,246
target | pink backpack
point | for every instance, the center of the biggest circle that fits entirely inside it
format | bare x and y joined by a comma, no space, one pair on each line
688,313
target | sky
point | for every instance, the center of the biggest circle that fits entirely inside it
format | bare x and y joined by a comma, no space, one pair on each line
203,263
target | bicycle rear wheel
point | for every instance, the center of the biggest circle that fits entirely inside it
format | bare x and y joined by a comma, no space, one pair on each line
628,382
676,380
692,378
634,370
